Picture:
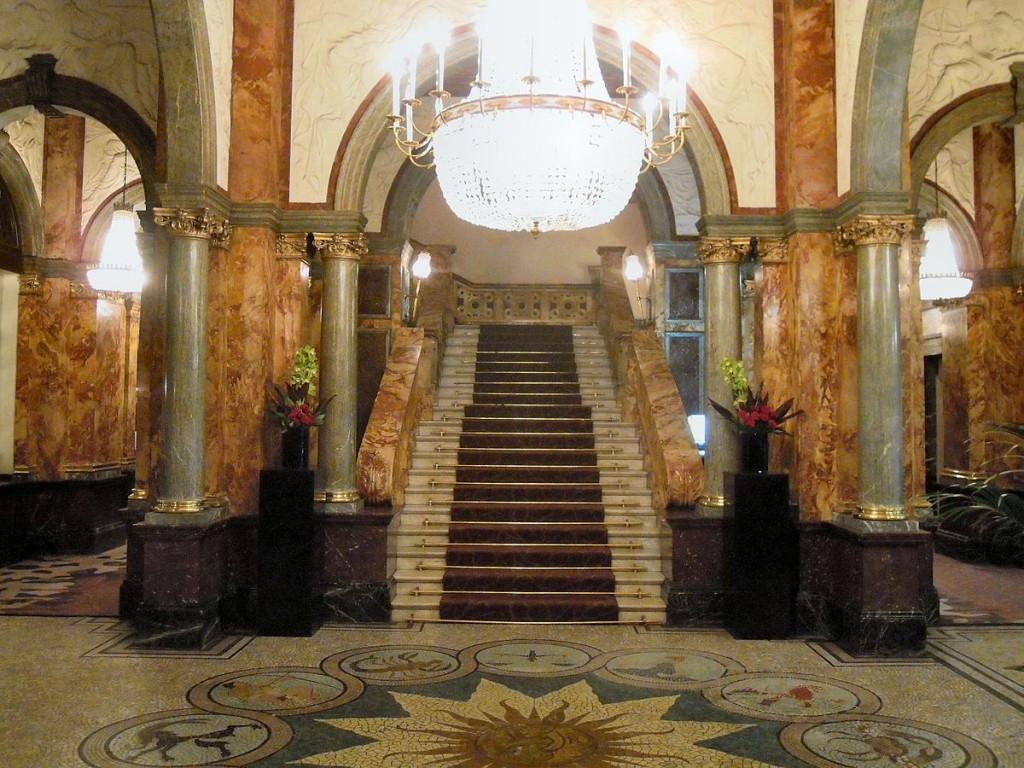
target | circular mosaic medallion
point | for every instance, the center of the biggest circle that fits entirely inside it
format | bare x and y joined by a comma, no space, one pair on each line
272,690
400,665
532,658
670,668
185,738
792,698
877,742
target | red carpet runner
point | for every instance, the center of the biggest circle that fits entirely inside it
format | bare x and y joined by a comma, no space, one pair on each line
527,540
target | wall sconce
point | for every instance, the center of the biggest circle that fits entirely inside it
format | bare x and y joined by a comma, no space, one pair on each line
420,272
635,272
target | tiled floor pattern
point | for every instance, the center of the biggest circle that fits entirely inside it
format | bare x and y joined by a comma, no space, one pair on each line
500,695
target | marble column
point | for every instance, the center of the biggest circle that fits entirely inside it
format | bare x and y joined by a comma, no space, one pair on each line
183,433
721,259
877,241
335,474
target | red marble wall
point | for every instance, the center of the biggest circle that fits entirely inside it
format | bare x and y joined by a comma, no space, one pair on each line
774,341
912,360
805,113
149,365
63,159
994,201
42,387
955,426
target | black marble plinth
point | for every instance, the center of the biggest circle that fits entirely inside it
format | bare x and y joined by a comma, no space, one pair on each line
287,603
358,603
685,608
763,572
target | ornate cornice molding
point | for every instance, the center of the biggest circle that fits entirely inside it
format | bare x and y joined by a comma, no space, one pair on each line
722,250
334,245
31,284
872,230
195,222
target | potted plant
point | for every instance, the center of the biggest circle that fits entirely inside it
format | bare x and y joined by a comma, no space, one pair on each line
296,409
984,519
752,415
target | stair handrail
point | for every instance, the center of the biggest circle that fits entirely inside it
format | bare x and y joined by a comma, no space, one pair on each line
648,396
405,396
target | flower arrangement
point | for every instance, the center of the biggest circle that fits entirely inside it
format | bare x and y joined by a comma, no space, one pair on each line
292,405
751,411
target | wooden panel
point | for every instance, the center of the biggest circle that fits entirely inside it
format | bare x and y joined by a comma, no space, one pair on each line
374,290
373,347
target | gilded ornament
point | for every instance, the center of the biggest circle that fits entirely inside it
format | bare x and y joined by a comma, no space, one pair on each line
722,250
872,230
195,222
291,245
774,251
340,246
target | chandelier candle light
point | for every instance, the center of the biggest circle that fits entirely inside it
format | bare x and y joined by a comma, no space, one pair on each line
120,269
538,144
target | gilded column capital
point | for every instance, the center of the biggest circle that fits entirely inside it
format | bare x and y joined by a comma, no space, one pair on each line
774,250
194,222
872,230
335,245
291,245
722,250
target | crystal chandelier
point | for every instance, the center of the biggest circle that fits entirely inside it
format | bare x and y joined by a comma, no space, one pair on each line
940,278
120,268
538,144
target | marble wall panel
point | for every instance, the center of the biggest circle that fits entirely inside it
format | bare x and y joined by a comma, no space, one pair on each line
994,193
912,366
848,406
775,334
955,397
64,151
815,281
150,365
79,339
995,369
111,360
805,104
42,384
239,365
131,383
258,168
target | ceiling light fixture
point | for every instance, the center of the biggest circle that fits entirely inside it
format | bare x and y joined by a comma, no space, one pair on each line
120,269
940,277
538,144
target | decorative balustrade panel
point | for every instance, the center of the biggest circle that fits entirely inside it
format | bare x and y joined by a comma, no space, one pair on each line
560,304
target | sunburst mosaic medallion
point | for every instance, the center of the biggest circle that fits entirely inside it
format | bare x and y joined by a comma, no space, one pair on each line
498,727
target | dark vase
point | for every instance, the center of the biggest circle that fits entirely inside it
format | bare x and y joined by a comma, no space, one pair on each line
754,451
295,448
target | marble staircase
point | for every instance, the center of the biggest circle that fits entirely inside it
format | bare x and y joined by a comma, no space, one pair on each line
527,497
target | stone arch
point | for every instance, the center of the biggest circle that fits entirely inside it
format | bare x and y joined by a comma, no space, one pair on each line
992,104
883,70
18,181
365,137
99,103
189,106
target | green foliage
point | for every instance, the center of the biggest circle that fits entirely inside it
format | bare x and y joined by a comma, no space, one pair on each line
988,515
305,370
736,377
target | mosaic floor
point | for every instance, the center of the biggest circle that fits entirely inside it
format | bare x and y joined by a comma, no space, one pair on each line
75,693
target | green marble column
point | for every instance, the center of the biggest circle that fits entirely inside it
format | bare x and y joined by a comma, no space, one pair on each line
335,472
721,259
183,418
877,241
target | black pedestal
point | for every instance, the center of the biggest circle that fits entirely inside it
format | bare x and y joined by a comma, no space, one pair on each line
764,566
287,604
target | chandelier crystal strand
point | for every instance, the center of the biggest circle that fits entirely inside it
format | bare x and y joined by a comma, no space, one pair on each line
538,144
